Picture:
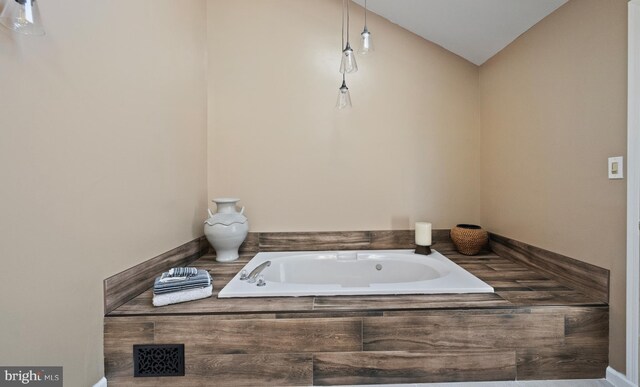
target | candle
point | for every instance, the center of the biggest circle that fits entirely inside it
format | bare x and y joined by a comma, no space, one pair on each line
423,233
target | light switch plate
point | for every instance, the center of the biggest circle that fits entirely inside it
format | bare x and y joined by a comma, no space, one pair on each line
616,168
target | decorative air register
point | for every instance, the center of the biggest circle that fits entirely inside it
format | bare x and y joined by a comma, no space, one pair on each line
158,360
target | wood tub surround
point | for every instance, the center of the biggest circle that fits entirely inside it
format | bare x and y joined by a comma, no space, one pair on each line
129,283
590,279
532,327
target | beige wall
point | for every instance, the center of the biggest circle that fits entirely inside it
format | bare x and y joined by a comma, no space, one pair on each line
553,110
407,151
102,164
103,144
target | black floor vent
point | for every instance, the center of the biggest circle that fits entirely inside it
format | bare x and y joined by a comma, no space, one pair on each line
158,360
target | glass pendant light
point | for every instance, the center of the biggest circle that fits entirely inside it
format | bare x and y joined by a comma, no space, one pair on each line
22,16
367,40
344,98
348,63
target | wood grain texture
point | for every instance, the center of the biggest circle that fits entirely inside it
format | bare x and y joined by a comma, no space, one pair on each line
332,314
292,241
515,284
533,327
347,240
587,326
398,239
412,367
514,275
279,369
204,370
119,338
548,285
453,312
127,284
206,336
589,279
142,305
251,244
562,362
471,331
426,301
548,298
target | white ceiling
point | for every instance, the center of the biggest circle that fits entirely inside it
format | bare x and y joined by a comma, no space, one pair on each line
474,29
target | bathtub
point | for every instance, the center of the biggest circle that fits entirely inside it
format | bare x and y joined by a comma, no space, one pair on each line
365,272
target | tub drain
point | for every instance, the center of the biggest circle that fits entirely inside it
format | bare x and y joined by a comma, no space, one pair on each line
378,267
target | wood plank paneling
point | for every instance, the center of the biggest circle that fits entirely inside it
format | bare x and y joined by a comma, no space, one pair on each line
587,326
507,266
454,312
210,258
251,244
338,314
590,279
348,240
562,362
533,327
548,298
142,305
231,370
278,369
397,239
204,336
506,285
546,285
512,275
412,367
405,239
119,338
476,267
293,241
120,335
489,331
127,284
427,301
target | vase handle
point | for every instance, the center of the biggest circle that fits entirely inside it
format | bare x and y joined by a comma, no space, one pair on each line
242,210
210,213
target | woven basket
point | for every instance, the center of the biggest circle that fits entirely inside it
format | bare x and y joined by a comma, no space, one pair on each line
469,239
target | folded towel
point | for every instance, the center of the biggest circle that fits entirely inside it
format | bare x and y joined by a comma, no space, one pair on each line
178,274
201,280
180,288
183,296
182,271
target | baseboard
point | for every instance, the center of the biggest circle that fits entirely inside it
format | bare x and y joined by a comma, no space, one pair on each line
101,383
617,379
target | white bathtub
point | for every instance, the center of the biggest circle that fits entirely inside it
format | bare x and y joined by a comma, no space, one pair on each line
367,272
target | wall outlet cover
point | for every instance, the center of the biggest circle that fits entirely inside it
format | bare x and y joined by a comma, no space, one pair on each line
616,168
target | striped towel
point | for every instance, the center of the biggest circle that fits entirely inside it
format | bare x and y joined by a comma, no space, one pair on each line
183,271
201,280
178,273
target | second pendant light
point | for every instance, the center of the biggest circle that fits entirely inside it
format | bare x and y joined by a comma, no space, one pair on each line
348,64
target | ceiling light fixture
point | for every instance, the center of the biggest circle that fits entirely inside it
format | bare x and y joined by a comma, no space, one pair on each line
367,40
22,16
348,64
344,98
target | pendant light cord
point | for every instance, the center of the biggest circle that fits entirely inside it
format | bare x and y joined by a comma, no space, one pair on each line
342,47
348,21
365,14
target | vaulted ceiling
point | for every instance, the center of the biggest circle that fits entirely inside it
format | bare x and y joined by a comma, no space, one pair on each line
474,29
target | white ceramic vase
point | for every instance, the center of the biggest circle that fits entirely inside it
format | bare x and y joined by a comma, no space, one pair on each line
226,229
